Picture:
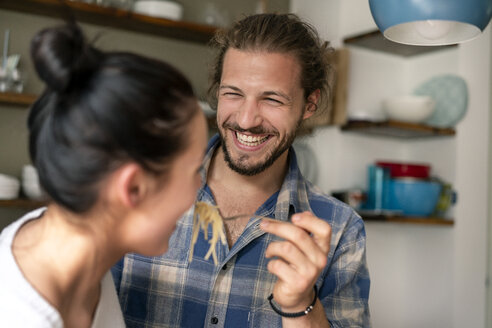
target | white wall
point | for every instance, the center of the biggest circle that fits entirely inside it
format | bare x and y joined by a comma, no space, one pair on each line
327,25
471,181
355,17
489,230
422,276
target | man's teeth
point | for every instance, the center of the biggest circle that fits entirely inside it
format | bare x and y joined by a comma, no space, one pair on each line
250,140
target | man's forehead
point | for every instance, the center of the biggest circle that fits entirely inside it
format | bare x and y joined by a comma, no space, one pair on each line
251,63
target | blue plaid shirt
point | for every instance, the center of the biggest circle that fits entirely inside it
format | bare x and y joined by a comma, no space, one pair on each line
170,291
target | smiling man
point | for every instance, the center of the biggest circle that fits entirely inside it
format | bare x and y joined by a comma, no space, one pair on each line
305,267
259,113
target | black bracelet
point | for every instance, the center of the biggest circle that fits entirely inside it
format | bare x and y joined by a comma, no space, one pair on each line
294,314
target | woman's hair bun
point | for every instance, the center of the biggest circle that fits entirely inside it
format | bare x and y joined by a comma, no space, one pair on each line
59,53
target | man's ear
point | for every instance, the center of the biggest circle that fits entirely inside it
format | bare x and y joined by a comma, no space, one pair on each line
311,104
129,185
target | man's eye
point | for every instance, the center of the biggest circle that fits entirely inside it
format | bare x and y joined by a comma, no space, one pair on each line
274,101
232,94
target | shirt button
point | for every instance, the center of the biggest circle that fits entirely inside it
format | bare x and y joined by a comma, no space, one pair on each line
214,320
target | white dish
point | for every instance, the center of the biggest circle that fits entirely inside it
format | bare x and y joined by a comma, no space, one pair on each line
159,8
30,183
9,192
33,190
8,180
8,189
371,116
413,109
29,172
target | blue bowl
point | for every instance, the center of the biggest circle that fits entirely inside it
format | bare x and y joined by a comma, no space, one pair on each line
413,197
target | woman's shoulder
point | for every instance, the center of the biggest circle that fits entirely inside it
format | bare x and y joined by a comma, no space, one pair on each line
20,304
8,233
16,311
7,237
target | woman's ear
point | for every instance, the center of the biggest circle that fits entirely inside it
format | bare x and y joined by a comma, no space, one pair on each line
311,104
129,185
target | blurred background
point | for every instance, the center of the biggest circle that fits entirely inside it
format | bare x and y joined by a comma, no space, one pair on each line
428,268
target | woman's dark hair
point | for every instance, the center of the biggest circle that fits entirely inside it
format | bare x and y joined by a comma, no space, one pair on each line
100,110
282,33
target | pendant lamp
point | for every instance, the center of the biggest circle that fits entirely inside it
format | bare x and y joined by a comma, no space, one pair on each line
431,22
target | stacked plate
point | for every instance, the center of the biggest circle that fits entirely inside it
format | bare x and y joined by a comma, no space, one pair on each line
30,183
159,8
9,187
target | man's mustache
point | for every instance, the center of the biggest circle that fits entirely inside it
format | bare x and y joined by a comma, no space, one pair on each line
253,130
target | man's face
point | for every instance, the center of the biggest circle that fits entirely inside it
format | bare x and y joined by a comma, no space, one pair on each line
260,106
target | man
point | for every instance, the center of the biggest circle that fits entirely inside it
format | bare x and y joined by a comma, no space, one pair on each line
306,266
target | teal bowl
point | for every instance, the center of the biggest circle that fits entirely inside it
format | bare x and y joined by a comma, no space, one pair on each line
413,197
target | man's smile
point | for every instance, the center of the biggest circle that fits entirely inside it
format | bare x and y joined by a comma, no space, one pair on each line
251,140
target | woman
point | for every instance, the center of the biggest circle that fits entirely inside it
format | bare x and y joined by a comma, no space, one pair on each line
118,141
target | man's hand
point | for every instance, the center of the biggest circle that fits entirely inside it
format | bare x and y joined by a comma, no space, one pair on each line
300,258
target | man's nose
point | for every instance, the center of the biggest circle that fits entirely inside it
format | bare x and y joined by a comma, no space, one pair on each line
249,115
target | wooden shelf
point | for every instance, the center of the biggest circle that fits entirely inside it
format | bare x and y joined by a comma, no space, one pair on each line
397,129
408,220
375,40
17,99
21,203
113,17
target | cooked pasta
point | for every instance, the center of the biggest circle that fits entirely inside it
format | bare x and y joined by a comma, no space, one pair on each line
206,214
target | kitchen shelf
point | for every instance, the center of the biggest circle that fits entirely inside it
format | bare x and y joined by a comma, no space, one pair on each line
113,17
408,220
17,99
397,129
21,203
375,40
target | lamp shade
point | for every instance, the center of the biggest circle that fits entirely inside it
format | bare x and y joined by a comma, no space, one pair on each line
431,22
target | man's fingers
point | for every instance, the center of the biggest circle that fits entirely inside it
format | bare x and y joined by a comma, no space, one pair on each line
282,270
320,230
291,254
315,247
297,236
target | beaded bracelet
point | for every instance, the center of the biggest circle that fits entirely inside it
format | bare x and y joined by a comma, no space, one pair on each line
294,314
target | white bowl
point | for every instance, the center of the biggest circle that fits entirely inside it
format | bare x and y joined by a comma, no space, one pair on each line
414,109
9,189
29,172
9,192
8,180
159,8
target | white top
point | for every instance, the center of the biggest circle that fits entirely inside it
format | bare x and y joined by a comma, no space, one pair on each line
22,306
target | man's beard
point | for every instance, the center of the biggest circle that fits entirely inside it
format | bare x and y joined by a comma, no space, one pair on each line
273,155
